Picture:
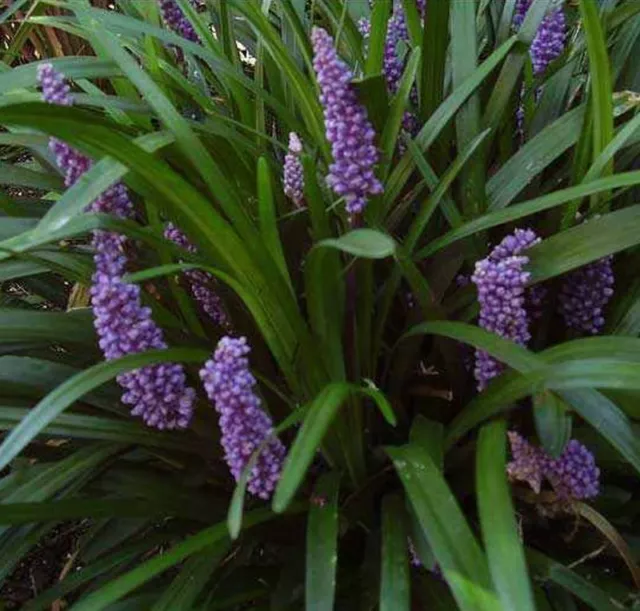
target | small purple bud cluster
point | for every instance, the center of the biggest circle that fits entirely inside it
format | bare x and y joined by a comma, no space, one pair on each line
244,424
158,393
348,128
573,475
549,41
293,171
200,282
177,21
501,282
414,559
584,295
397,33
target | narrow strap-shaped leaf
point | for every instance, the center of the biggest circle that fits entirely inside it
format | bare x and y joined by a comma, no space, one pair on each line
553,422
115,589
322,544
268,219
513,213
190,581
460,557
575,247
377,38
601,87
435,40
395,594
80,384
497,518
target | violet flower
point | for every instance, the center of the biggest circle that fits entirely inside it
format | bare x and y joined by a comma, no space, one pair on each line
294,172
200,282
501,281
245,426
348,128
157,393
573,475
177,21
584,295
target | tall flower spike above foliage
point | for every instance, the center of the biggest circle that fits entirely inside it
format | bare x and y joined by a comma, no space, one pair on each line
348,128
573,475
549,41
293,171
200,282
584,295
176,19
501,282
244,424
158,393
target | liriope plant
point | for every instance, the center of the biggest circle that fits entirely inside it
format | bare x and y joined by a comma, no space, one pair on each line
323,305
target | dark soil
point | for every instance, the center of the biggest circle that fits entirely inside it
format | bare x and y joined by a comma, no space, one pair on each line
41,568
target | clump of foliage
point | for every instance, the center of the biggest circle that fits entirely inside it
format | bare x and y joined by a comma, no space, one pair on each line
316,305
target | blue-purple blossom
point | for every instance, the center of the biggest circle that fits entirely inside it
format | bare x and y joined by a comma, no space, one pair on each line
584,295
200,282
245,426
293,171
176,20
573,475
501,281
549,41
157,393
348,128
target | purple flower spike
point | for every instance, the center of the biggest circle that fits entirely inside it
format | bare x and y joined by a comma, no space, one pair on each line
584,295
549,41
293,171
501,282
244,424
200,282
158,393
176,20
347,127
574,475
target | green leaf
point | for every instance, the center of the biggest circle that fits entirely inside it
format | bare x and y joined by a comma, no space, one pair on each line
81,426
192,579
600,78
316,423
117,588
322,544
443,523
513,213
553,422
395,594
464,56
23,325
80,384
440,118
575,247
429,434
14,174
435,40
379,17
268,218
536,154
497,519
366,243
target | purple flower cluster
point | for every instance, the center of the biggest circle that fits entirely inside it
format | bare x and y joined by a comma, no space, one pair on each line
584,294
176,20
549,41
244,424
573,475
158,393
293,171
501,282
348,128
200,282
